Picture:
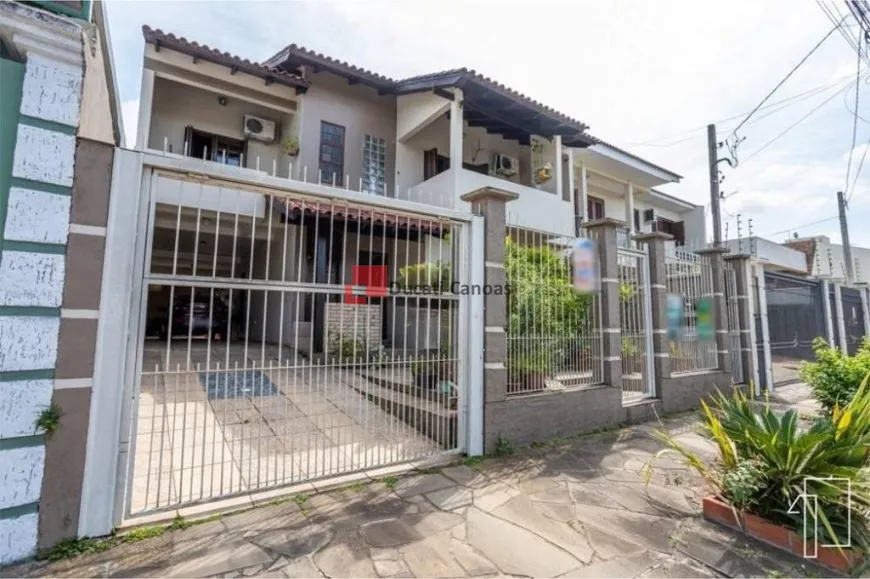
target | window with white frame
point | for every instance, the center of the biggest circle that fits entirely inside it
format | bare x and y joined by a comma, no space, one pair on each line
374,165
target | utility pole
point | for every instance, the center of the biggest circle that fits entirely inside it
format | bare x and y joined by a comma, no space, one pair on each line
713,156
844,233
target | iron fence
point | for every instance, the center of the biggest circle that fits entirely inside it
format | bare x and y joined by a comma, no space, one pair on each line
690,276
734,329
553,332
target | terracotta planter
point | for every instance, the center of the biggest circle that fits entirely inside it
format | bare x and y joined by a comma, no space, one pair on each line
779,536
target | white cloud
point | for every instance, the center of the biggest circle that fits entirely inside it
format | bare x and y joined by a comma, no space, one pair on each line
130,116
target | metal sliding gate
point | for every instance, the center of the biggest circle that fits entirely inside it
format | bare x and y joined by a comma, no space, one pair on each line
795,317
286,338
853,318
635,321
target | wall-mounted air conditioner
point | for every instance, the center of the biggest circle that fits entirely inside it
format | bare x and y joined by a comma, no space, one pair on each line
649,215
505,166
259,128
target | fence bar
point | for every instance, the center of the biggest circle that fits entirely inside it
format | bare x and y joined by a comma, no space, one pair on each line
740,264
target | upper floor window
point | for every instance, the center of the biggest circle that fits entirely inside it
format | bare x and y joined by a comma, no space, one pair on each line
674,228
374,165
594,208
331,159
211,147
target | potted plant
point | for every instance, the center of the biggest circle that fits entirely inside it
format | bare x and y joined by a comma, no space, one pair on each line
426,372
531,370
631,362
797,489
291,146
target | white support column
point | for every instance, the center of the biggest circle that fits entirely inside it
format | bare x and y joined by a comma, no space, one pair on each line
829,317
629,207
841,323
474,341
146,96
457,126
765,328
571,176
557,165
865,303
750,272
584,193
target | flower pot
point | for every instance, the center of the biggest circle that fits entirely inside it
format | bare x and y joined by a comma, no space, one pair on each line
785,538
426,379
292,152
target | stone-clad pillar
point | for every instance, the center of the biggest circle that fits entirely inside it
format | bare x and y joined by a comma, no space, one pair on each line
655,243
603,232
490,204
720,318
740,263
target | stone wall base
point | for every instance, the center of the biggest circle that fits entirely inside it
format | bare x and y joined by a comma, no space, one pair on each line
547,415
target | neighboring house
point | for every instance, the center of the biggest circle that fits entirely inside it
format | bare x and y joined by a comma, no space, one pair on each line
826,259
59,124
770,255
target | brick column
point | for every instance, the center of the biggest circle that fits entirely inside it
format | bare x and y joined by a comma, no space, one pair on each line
603,232
720,318
490,204
655,243
740,262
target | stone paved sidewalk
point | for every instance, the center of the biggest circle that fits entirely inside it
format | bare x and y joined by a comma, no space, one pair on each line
574,508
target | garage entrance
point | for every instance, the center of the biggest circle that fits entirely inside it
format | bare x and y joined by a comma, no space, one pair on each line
265,359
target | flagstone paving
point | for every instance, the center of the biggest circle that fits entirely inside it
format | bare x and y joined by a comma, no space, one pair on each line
574,508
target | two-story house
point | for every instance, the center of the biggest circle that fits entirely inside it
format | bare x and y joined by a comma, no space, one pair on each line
263,189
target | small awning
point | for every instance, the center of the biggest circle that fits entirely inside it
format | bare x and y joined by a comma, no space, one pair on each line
295,208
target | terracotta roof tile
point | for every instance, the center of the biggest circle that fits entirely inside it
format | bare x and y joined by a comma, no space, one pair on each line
270,73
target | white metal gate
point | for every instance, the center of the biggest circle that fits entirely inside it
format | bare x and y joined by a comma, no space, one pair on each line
635,317
284,338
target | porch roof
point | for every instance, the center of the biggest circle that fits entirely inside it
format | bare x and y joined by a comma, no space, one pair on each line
295,207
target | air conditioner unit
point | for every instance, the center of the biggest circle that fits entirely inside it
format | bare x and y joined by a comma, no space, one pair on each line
505,166
259,128
649,215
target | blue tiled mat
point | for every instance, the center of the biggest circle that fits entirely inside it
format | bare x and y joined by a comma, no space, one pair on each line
236,384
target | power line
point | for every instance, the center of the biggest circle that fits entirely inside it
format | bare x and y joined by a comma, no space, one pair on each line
854,120
796,123
791,72
787,102
838,19
801,225
860,166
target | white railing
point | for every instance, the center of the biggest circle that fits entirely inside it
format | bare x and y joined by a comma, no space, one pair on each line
690,276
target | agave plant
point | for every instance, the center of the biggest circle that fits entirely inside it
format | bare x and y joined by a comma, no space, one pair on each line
764,460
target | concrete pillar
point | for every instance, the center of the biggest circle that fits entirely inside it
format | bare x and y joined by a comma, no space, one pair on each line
603,232
584,194
629,207
720,318
655,243
740,263
490,204
457,126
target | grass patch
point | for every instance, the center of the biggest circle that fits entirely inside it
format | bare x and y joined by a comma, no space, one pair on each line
474,462
433,470
75,547
301,500
49,420
143,533
390,482
504,447
179,523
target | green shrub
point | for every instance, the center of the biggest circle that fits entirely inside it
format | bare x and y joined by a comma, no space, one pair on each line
765,460
437,275
834,377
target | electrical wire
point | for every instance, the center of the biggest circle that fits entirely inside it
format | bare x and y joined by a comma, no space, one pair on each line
787,76
854,121
801,225
858,172
796,123
786,102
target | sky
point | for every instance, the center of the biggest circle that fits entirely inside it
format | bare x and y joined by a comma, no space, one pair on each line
645,76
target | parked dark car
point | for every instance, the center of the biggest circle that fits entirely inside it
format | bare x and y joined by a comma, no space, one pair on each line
202,317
